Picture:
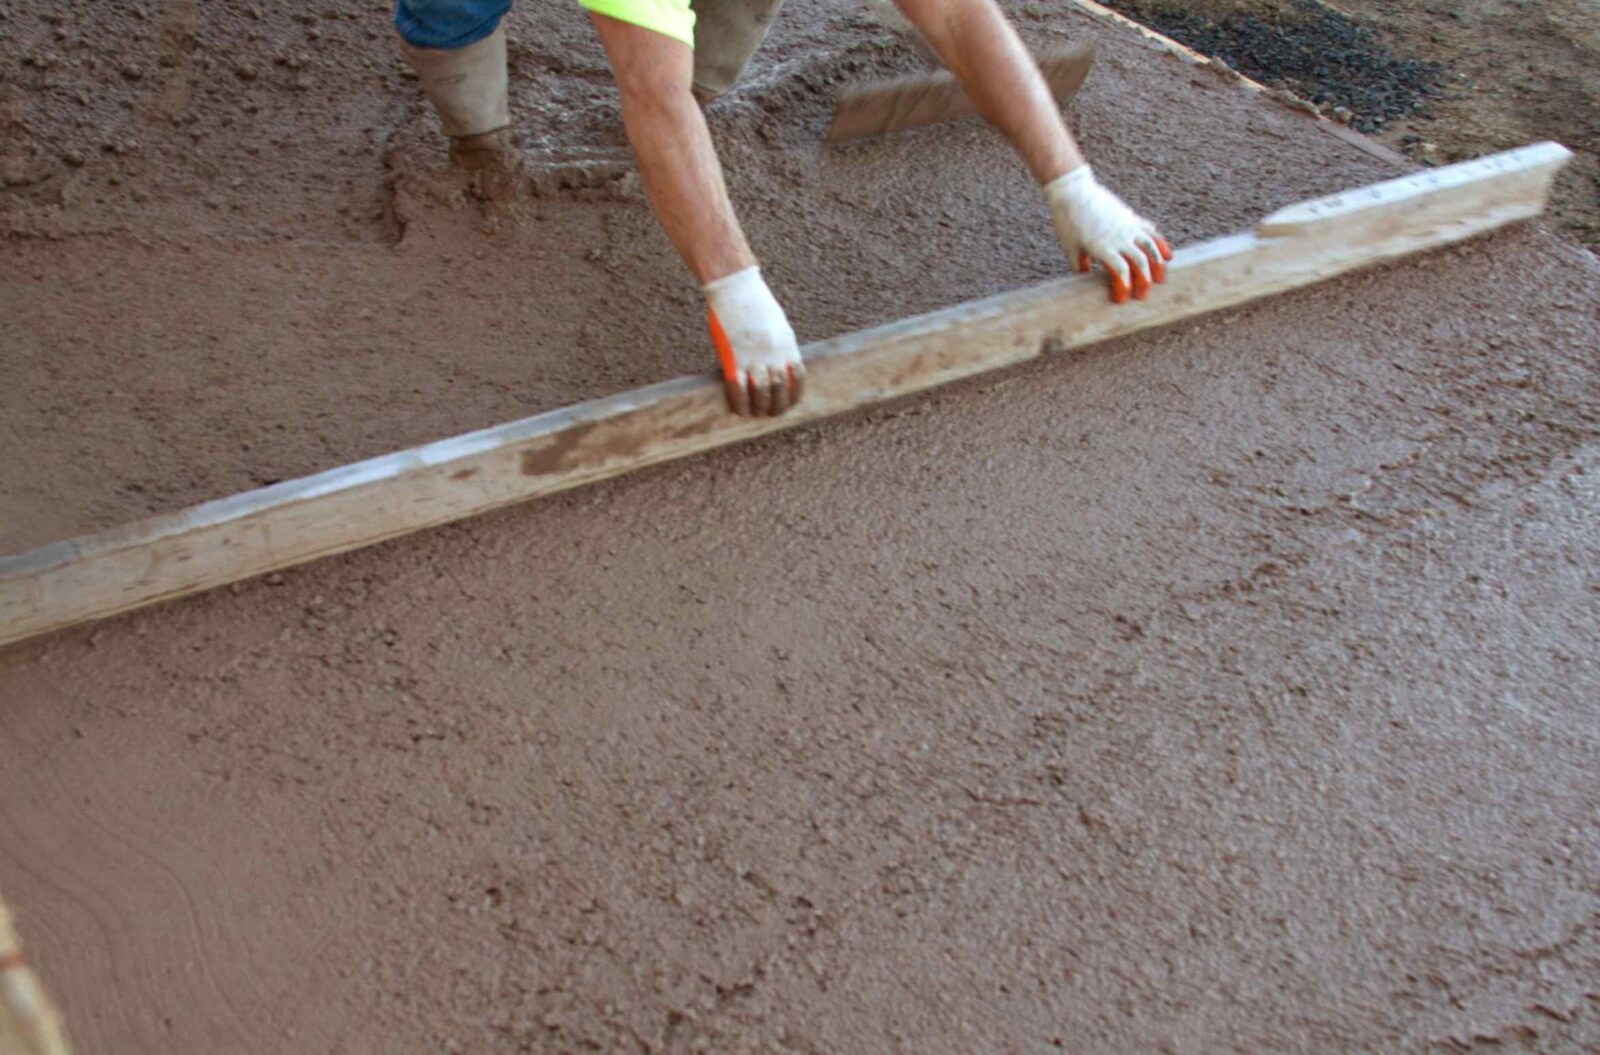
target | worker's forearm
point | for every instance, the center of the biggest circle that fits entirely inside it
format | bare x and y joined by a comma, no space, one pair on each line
979,46
756,347
680,171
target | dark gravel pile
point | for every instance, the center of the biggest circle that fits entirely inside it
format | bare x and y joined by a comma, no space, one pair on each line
1311,49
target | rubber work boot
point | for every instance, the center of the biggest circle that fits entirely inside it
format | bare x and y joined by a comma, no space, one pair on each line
726,34
468,88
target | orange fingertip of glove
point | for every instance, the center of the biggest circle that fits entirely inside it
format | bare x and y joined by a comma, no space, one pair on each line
1158,267
1083,262
1141,282
1119,288
719,341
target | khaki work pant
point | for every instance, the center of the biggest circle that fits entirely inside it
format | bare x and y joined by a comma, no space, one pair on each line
726,34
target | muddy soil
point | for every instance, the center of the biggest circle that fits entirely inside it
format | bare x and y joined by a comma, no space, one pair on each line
1230,687
1441,82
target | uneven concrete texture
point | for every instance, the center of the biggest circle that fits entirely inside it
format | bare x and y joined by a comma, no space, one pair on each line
196,315
1228,688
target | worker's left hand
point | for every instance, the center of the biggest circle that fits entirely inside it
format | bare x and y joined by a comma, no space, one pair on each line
1093,223
761,365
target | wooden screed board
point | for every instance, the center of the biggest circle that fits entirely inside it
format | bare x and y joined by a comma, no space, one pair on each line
234,538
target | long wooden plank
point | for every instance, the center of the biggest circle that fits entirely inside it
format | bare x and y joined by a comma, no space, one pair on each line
234,538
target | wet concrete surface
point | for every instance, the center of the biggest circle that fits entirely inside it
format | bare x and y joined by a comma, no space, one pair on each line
1230,687
234,330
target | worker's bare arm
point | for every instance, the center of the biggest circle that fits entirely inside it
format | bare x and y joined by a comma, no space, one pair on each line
676,158
755,345
973,39
999,76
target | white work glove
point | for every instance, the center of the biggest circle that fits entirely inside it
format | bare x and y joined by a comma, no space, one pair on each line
1091,222
755,344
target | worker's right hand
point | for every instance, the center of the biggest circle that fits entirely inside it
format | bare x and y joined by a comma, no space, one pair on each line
755,344
1093,223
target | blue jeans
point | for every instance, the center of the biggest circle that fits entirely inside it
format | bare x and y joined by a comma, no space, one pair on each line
447,23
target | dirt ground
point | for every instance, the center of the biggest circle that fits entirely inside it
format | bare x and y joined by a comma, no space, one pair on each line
1497,73
1230,687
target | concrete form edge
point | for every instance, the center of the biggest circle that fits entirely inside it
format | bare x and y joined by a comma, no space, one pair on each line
1349,136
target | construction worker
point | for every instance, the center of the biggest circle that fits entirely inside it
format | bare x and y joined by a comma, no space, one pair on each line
668,58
